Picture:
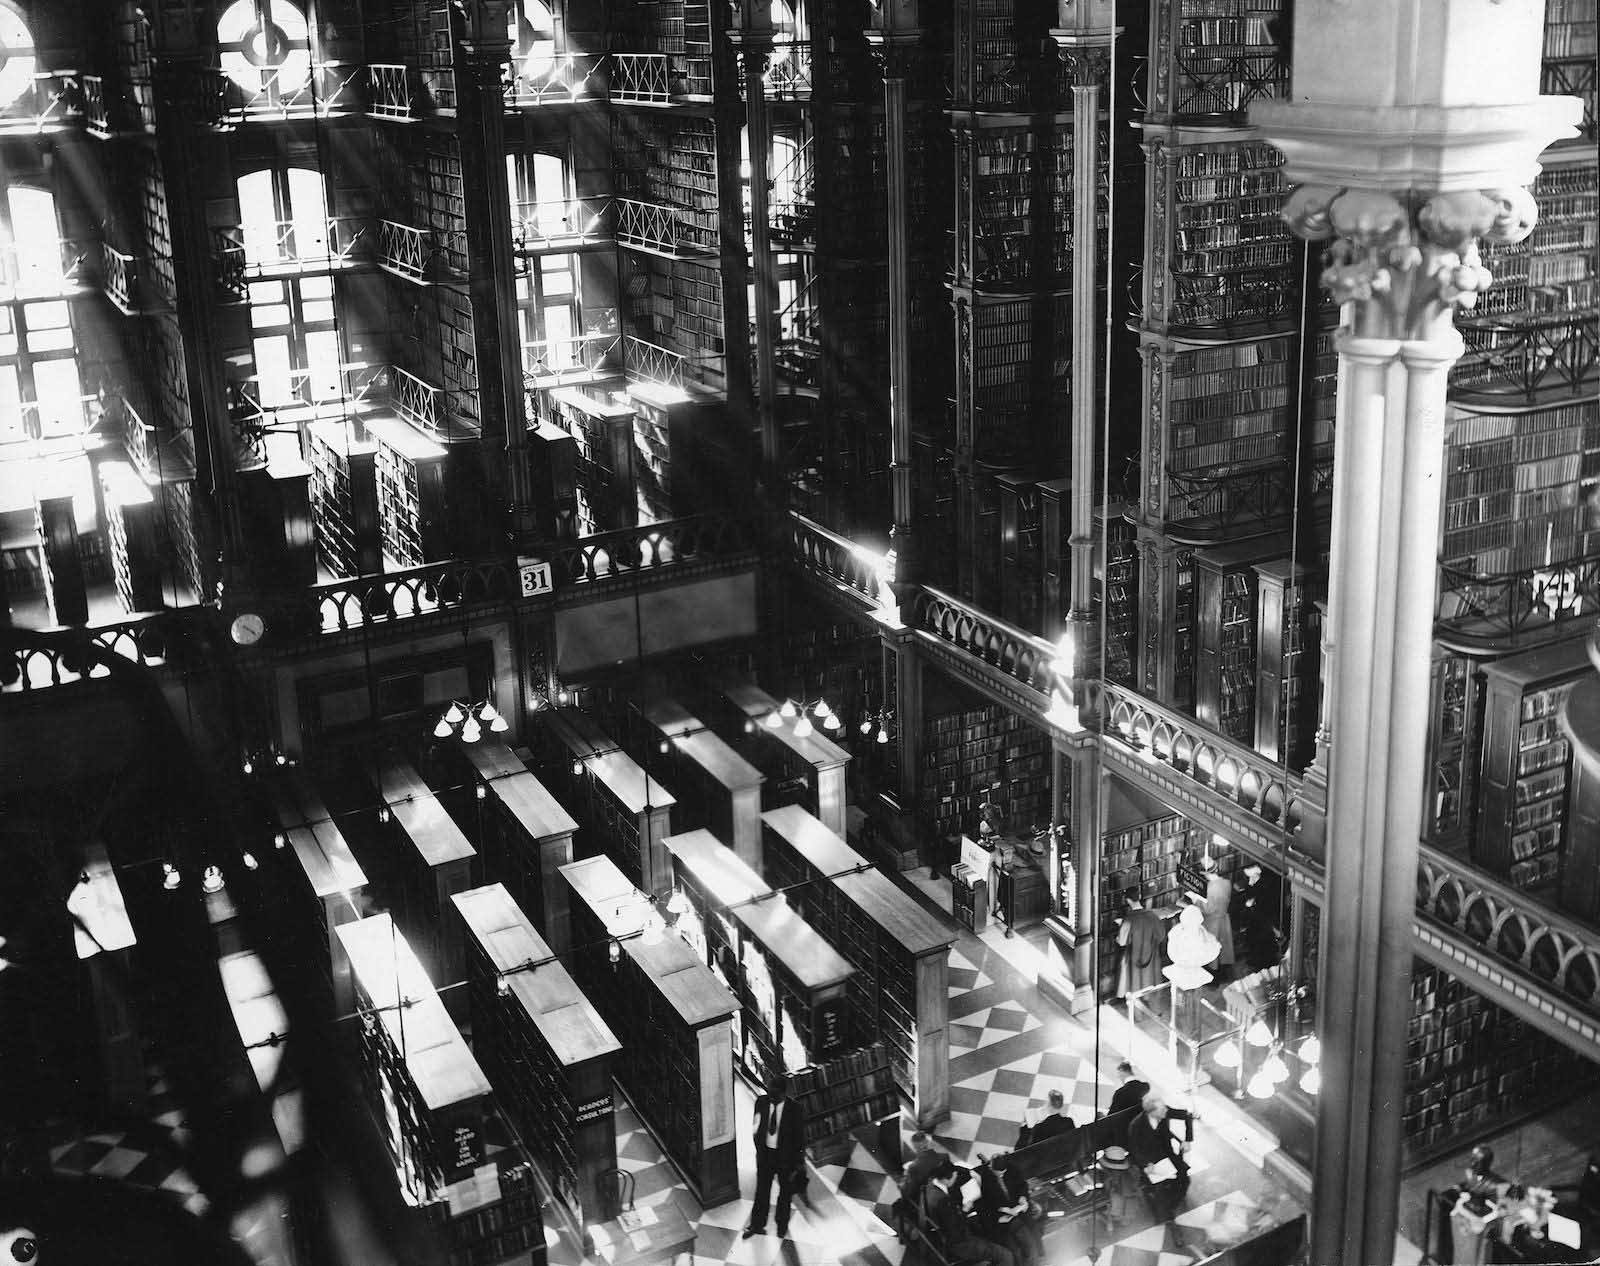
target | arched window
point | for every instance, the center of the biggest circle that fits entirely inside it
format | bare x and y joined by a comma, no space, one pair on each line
265,46
17,61
533,38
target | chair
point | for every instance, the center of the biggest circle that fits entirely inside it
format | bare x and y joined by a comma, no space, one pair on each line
616,1193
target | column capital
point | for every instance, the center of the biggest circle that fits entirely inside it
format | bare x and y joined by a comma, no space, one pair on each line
1407,258
895,55
1089,64
754,48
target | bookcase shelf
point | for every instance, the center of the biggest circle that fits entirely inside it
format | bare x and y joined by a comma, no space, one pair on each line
673,1018
1454,737
986,753
1527,764
1148,857
344,499
1288,639
899,993
1226,582
544,1046
845,1093
1119,591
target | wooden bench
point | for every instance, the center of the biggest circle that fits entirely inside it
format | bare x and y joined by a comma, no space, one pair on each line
924,1243
1051,1163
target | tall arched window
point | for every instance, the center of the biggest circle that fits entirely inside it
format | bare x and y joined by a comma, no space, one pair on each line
17,61
548,301
533,39
265,46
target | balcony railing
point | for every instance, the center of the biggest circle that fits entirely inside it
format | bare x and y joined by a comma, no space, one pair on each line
1223,81
109,110
122,278
290,248
43,269
574,77
419,403
667,230
1254,495
1574,77
561,225
1515,604
789,74
640,79
229,263
862,572
32,660
647,362
307,394
389,94
581,358
406,250
1518,358
54,98
650,547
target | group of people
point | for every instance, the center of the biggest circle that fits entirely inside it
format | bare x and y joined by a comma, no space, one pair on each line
1005,1227
1246,920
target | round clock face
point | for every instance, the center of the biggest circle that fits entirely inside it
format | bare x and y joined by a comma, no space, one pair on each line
247,629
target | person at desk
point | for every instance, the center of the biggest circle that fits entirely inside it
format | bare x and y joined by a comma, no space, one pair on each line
944,1209
1054,1122
1130,1094
1006,1215
780,1153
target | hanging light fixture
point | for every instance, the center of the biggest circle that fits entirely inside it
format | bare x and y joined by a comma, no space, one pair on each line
170,878
502,986
278,840
1229,1055
678,904
481,791
249,860
1274,1067
211,880
1311,1050
774,719
453,715
614,952
1311,1083
866,726
788,712
1258,1034
1261,1086
804,729
384,814
577,768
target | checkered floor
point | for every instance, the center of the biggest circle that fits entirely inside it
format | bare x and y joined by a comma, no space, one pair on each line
149,1154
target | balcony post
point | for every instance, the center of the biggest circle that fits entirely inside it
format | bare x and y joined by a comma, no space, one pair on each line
894,38
753,39
1405,189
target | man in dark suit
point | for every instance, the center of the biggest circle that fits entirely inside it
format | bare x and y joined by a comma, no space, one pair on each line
780,1153
1130,1094
1150,1136
957,1238
1055,1120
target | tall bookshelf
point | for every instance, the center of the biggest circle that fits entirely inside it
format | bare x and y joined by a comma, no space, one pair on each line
410,470
544,1046
1527,764
1454,741
1288,637
1226,583
1470,1064
1148,857
344,499
1225,56
985,753
899,993
845,1093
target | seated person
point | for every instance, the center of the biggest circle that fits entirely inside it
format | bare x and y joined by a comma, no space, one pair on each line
1150,1137
925,1158
1005,1214
956,1235
1130,1094
1055,1120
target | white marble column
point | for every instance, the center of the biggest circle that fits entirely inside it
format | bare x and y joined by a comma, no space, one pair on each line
1408,146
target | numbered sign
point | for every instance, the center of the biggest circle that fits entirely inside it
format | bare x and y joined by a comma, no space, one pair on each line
535,577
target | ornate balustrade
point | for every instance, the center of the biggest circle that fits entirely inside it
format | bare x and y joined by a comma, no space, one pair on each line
406,250
856,570
652,227
581,358
789,73
1218,82
1541,944
121,277
337,240
400,595
648,362
419,403
1217,502
1025,657
640,79
389,93
573,77
109,109
229,262
1512,605
540,226
1517,358
32,660
649,547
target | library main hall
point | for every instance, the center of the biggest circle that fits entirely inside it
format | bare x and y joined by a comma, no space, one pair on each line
799,632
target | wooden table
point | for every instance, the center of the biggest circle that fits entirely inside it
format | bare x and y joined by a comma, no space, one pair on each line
657,1234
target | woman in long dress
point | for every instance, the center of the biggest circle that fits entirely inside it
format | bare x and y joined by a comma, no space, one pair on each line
1140,936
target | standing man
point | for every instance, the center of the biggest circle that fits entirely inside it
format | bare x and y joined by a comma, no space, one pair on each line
780,1153
1130,1094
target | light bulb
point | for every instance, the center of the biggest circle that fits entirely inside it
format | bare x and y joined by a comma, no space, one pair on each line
1311,1050
831,723
1229,1055
577,768
471,732
805,729
822,709
775,720
664,747
486,711
614,952
452,714
247,766
383,814
562,696
883,735
866,727
442,729
211,880
677,903
503,986
278,840
1261,1086
749,727
170,877
482,792
1258,1034
1275,1068
280,760
249,860
788,712
499,725
1311,1083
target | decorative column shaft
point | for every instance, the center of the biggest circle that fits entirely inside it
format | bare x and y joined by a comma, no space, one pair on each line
893,53
1406,189
755,47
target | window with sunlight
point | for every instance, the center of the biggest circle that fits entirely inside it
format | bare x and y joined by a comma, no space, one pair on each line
17,61
265,46
533,39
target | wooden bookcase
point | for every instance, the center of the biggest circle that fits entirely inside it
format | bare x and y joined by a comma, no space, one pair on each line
262,1024
1118,567
681,457
791,983
424,859
1225,609
1454,739
845,1093
326,881
545,1048
603,471
674,1019
526,835
810,770
1224,56
344,499
66,595
625,812
1287,642
1021,551
1149,857
1527,764
410,470
983,753
716,787
900,992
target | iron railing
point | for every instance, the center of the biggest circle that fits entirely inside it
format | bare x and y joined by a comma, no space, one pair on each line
1519,358
640,79
789,72
229,262
42,269
562,224
570,77
1513,604
288,247
122,278
583,357
389,94
1257,494
648,362
407,250
669,230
